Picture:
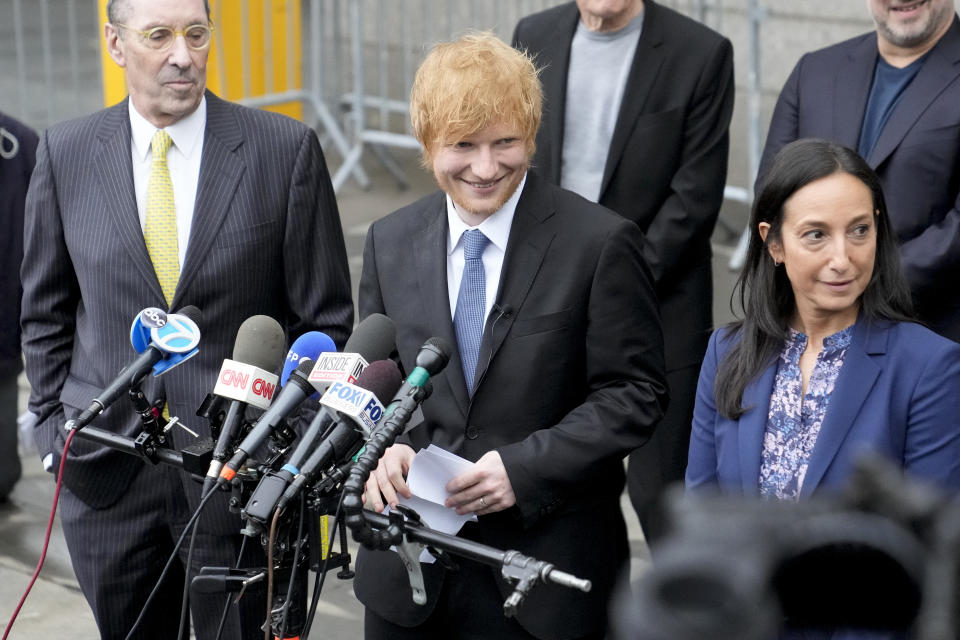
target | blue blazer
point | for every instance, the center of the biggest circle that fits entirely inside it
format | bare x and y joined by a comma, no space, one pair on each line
898,394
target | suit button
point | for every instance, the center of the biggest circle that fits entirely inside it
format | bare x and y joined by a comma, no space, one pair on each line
472,433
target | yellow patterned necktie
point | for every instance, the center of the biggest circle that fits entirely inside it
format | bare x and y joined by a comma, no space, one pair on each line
160,227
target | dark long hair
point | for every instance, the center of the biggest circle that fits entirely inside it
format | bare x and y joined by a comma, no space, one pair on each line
764,291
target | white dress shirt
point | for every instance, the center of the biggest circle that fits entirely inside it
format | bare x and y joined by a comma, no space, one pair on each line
183,161
497,229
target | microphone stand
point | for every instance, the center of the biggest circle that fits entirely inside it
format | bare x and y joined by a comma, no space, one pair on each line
404,530
341,482
151,443
143,445
515,567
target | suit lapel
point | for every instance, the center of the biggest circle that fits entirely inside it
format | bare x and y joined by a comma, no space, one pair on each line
220,171
853,81
554,78
753,425
857,377
936,74
643,73
528,243
431,270
115,171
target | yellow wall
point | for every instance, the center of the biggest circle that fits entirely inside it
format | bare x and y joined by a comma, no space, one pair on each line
225,76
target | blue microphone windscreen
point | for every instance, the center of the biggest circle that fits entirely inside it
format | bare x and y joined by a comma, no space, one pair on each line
309,345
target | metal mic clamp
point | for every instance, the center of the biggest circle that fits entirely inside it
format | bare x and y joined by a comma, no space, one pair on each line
409,553
527,572
227,580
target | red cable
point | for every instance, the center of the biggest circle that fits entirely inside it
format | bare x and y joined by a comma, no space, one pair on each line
46,541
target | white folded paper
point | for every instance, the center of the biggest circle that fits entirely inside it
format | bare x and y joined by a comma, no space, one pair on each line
430,471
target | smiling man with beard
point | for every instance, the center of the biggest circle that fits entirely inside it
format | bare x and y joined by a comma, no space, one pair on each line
892,95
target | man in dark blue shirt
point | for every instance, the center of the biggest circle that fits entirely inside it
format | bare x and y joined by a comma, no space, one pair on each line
892,95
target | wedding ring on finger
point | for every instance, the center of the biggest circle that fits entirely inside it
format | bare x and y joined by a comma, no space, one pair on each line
482,502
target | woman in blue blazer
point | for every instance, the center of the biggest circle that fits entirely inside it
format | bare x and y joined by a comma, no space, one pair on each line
825,364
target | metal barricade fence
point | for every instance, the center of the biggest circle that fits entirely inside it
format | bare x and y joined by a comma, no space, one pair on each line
325,46
49,62
355,60
388,38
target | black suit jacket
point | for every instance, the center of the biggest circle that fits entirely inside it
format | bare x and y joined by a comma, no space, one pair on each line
265,239
917,155
667,163
568,383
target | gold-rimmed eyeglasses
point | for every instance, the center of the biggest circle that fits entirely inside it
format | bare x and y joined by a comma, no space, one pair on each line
197,36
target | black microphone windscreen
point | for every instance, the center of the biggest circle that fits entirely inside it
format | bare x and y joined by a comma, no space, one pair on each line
442,344
305,366
434,355
375,338
382,377
193,313
260,342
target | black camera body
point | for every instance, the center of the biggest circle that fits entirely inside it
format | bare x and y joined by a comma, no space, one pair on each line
884,554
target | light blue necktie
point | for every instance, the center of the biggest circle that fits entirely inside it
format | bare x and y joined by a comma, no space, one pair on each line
471,303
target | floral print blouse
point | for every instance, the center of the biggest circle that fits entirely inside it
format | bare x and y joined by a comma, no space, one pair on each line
793,422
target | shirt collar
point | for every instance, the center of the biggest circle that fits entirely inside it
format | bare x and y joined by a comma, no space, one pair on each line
496,227
185,132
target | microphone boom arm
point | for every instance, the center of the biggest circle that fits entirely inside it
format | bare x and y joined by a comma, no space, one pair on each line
409,535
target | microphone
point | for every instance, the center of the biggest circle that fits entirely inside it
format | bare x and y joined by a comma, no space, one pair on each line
304,349
431,359
373,339
163,341
293,393
503,311
344,439
360,402
309,345
247,379
339,437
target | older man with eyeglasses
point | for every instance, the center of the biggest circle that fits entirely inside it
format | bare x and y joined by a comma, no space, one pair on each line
171,198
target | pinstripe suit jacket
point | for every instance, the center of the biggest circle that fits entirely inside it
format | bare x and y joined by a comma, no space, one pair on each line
265,239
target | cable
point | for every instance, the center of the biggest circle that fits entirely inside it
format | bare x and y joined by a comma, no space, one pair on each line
271,542
46,539
166,568
293,570
185,601
226,605
223,616
322,575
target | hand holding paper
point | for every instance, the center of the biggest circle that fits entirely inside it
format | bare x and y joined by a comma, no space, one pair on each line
483,488
430,471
